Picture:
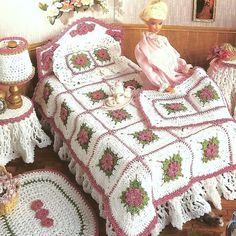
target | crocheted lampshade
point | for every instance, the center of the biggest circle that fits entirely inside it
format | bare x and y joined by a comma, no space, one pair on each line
15,67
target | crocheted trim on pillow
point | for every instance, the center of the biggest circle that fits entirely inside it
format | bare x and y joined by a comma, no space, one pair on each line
81,28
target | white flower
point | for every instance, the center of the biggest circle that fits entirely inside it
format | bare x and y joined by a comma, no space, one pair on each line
52,10
87,2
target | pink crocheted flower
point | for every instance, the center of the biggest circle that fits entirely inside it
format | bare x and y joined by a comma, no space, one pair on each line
97,95
134,197
175,106
119,115
64,114
211,151
173,169
47,92
102,54
36,205
207,94
81,60
117,35
83,137
47,222
107,162
41,214
145,135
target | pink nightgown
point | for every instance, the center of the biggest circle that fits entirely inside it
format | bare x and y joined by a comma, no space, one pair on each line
160,62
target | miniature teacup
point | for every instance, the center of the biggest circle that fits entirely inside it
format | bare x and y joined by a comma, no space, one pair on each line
128,92
111,101
120,98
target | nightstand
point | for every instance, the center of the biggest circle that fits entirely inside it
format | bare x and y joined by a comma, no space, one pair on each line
20,132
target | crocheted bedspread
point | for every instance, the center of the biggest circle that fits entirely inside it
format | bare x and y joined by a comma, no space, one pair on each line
143,178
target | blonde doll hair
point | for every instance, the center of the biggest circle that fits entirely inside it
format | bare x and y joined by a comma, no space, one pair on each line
155,9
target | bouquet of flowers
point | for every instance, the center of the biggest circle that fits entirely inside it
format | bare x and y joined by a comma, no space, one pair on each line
224,52
56,9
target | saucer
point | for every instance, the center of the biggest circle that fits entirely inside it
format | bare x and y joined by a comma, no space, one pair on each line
117,106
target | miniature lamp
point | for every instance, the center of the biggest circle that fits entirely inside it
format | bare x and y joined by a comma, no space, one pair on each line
15,67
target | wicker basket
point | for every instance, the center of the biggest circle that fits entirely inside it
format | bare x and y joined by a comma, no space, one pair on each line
7,206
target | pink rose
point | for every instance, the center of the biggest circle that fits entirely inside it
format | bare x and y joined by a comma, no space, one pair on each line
83,136
36,205
47,222
41,214
211,151
145,136
107,162
134,197
173,169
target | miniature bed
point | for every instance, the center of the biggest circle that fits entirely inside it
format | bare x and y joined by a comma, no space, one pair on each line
158,160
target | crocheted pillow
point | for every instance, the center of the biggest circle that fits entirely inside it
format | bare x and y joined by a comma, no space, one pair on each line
74,65
82,31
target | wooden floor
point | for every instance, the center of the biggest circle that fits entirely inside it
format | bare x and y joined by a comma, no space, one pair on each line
46,158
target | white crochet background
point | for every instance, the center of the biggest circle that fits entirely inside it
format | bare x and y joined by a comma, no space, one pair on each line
28,21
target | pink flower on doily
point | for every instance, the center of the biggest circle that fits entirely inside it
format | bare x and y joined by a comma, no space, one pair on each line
145,136
47,91
81,60
41,214
119,115
173,168
97,95
108,162
210,149
174,107
132,83
84,135
135,198
207,94
36,205
102,54
47,222
65,112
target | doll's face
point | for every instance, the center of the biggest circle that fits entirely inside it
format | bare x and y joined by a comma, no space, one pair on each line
154,25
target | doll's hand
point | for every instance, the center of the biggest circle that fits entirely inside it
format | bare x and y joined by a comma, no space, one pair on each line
170,90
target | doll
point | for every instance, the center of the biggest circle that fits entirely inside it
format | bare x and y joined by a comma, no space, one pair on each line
159,61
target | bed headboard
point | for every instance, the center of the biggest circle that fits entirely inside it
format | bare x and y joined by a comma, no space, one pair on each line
192,43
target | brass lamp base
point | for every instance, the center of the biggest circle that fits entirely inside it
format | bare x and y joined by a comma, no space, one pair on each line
14,101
